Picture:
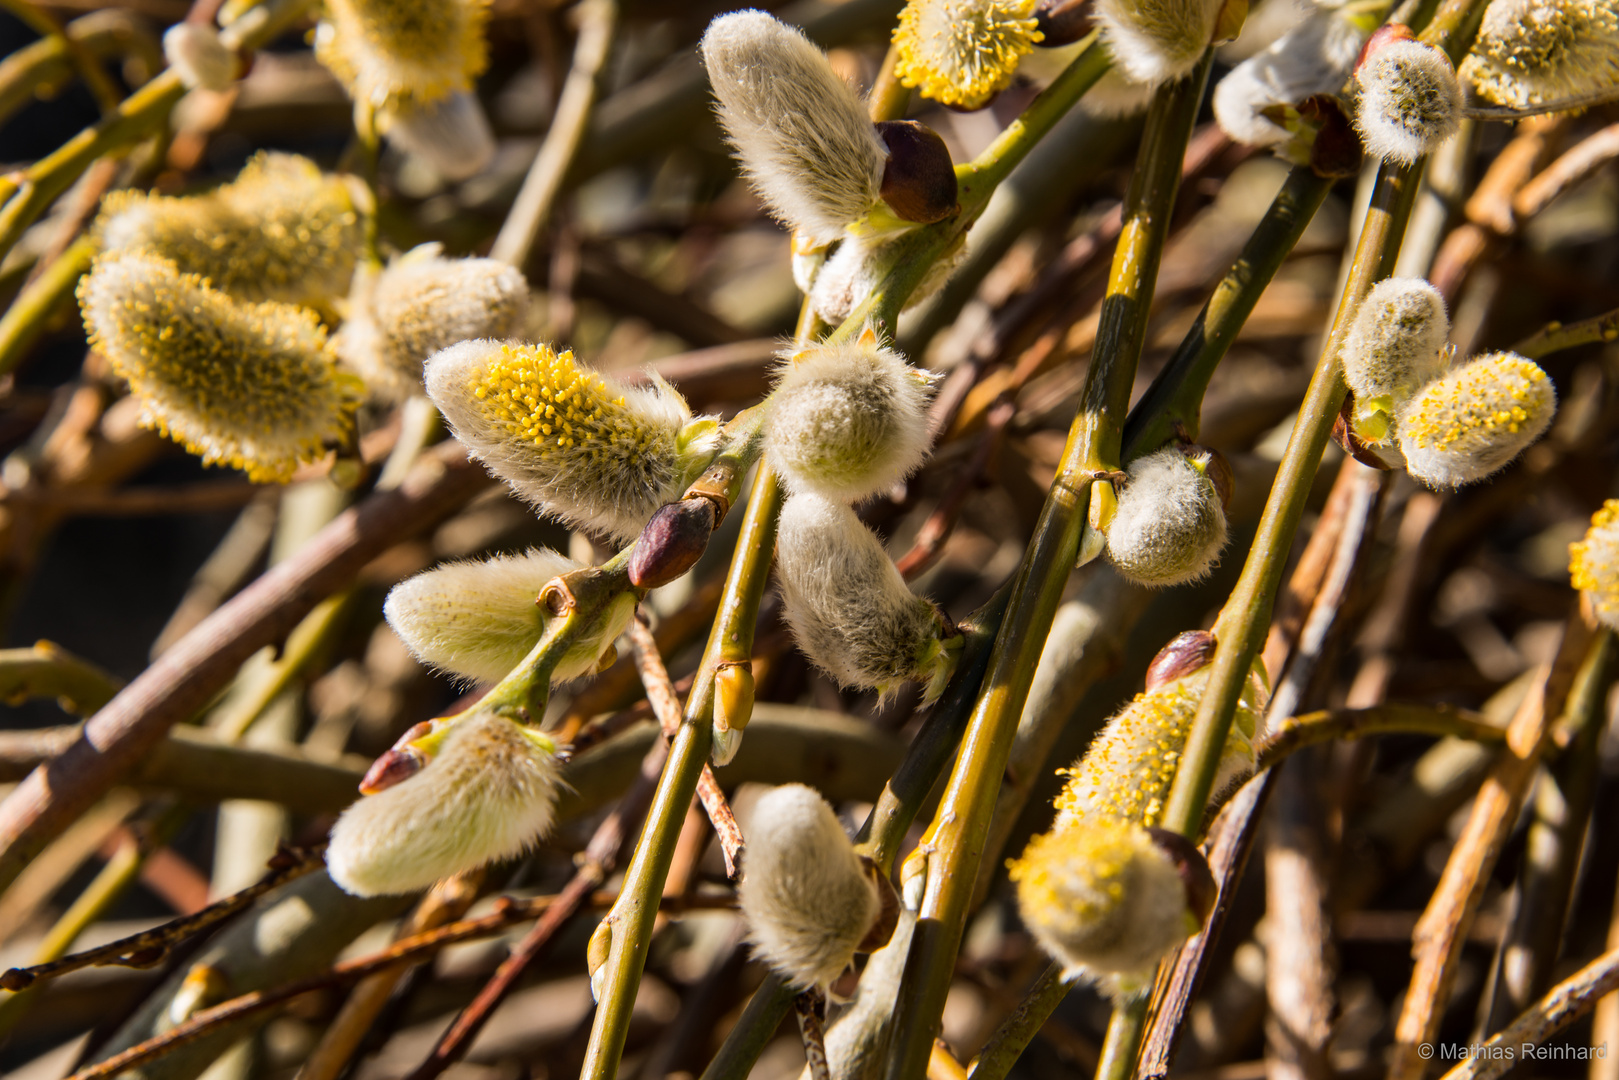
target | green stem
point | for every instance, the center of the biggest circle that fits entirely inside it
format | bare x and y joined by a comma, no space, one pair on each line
996,1059
48,670
45,25
951,849
1245,618
136,117
1555,337
1172,405
631,919
25,320
1123,1041
1330,725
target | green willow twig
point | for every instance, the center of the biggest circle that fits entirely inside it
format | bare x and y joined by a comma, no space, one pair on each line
89,68
48,670
1328,725
627,929
946,862
25,319
43,66
136,117
1555,337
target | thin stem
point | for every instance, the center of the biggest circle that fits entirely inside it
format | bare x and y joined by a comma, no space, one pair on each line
45,25
48,670
1332,725
1245,618
1173,404
950,850
1018,1030
136,117
25,319
538,195
1123,1040
1567,1002
1555,337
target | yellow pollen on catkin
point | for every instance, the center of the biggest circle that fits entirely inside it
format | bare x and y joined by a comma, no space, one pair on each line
1462,409
253,386
1041,873
1593,563
963,52
401,53
544,399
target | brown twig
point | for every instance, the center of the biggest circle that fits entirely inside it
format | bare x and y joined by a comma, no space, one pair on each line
201,498
149,947
1437,944
183,679
1586,157
931,537
1567,1002
1299,953
205,1021
810,1006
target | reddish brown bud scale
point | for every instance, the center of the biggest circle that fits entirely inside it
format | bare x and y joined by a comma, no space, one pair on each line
919,179
1184,654
393,767
1336,151
1387,34
1196,877
672,542
1062,22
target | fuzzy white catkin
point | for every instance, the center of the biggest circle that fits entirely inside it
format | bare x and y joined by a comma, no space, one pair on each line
848,607
451,133
1115,96
1395,346
1155,41
488,794
1314,57
1410,101
1471,422
1103,900
595,453
423,303
1593,564
804,138
847,421
197,55
478,620
806,897
1170,526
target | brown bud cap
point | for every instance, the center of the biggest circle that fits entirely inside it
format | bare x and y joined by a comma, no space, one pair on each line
1343,433
1387,34
1196,877
672,542
919,180
1336,151
733,694
393,767
887,913
1062,22
1184,654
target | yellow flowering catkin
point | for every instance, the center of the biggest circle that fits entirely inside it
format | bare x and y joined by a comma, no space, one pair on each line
569,440
400,53
1469,423
282,230
254,386
1535,52
962,53
1593,564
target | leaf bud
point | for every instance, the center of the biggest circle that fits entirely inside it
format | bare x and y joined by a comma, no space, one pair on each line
850,610
802,134
487,794
807,898
250,385
478,620
672,541
1593,564
847,421
1185,654
1409,100
576,444
1469,423
961,53
1062,22
1170,524
919,180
